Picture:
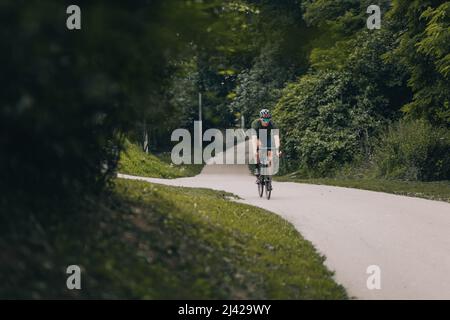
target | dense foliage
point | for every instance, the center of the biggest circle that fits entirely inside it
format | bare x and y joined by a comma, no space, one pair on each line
424,50
69,97
360,81
414,151
330,116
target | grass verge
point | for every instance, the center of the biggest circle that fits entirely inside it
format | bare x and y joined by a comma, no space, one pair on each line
134,161
428,190
158,242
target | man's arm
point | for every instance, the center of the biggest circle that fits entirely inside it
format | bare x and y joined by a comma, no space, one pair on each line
276,139
254,140
255,144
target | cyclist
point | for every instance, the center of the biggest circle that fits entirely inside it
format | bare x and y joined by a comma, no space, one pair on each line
264,122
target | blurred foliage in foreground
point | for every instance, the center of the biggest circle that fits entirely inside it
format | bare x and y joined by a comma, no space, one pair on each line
68,97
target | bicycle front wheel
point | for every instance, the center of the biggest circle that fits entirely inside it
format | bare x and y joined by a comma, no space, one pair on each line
261,188
268,189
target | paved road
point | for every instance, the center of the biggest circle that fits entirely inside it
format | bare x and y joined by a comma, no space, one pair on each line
407,238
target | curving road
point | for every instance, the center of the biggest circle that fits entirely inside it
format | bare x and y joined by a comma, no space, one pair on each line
407,238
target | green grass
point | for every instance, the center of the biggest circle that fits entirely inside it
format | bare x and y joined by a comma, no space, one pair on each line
427,190
134,161
158,242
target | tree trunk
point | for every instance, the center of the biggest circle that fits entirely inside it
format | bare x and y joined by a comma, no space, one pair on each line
145,144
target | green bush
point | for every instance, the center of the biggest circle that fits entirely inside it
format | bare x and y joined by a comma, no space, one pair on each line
319,126
330,119
414,150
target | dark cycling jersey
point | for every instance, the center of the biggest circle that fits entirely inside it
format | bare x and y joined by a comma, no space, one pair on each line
257,126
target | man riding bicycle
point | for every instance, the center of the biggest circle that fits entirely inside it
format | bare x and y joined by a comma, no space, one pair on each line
264,139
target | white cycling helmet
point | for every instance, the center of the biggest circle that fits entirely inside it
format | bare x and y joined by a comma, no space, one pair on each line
265,114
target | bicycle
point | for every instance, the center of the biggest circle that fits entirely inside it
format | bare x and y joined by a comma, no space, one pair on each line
265,180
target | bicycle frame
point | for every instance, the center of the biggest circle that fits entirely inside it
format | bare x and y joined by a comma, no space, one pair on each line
268,167
265,177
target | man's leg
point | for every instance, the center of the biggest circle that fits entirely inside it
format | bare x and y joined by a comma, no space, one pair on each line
257,167
269,159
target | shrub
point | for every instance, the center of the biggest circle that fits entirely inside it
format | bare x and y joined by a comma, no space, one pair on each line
321,129
414,150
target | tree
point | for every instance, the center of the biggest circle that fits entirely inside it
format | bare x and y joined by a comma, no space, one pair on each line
315,115
423,50
283,45
331,117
